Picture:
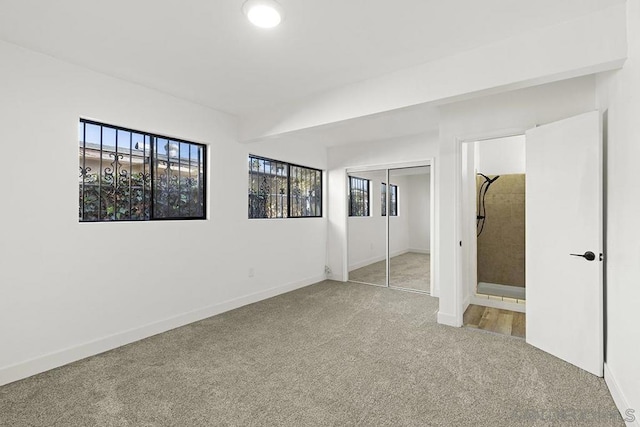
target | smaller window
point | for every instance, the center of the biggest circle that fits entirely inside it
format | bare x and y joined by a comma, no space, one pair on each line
358,196
305,192
283,190
393,199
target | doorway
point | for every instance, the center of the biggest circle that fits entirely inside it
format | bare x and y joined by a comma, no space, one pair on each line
493,189
564,257
389,227
500,173
493,216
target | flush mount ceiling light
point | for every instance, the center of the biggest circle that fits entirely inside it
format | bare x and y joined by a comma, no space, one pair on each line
263,13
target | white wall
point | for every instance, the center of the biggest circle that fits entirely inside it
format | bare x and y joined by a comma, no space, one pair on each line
619,93
419,212
367,241
399,231
367,235
383,153
501,156
69,290
468,220
493,116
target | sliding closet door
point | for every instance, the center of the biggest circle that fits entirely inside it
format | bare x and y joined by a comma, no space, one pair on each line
407,198
366,226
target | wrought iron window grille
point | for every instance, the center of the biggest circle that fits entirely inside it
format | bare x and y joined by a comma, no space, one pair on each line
283,190
359,190
393,199
129,175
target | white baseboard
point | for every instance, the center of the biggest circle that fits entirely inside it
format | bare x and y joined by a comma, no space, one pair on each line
449,319
419,251
366,262
400,252
373,260
632,419
56,359
497,302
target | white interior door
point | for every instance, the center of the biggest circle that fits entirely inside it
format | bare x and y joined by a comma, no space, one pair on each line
564,217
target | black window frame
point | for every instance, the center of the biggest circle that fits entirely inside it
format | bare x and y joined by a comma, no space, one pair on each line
289,188
202,179
362,185
393,199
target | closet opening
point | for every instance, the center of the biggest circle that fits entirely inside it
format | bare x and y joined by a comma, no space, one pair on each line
389,227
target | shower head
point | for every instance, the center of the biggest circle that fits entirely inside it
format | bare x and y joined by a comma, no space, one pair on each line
487,179
481,215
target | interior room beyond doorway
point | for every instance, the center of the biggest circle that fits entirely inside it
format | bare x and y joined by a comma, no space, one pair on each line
494,181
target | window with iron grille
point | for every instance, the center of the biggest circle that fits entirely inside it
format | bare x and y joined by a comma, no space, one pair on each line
358,196
393,199
283,190
128,175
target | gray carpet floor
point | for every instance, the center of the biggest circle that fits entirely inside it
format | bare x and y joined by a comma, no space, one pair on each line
410,270
331,354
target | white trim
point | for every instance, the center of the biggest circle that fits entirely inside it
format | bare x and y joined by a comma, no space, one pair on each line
379,258
449,319
459,264
497,302
620,400
387,227
345,237
56,359
434,245
419,251
367,262
398,253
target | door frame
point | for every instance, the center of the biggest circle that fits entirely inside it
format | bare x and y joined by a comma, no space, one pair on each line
469,253
461,288
462,299
433,286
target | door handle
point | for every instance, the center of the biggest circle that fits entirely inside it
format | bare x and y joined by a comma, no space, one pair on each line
589,256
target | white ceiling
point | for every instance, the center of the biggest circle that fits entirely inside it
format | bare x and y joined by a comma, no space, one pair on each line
407,121
205,50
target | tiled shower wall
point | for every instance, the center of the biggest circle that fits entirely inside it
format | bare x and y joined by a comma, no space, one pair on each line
501,246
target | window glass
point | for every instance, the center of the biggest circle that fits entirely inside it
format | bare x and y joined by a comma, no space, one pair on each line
127,175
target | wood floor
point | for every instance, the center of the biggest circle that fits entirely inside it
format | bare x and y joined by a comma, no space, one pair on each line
504,322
